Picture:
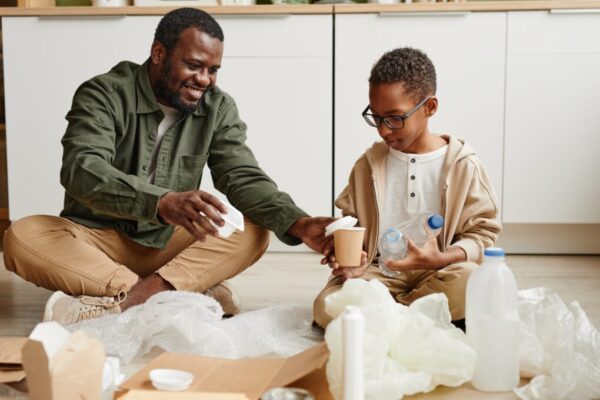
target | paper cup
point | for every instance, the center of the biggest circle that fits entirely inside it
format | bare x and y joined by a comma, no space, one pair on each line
348,244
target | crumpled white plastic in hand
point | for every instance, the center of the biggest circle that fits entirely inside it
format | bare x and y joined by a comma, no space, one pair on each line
191,323
559,347
406,350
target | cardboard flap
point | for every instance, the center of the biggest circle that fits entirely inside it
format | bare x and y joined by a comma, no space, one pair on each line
10,350
35,362
12,376
251,376
301,365
156,395
248,375
76,369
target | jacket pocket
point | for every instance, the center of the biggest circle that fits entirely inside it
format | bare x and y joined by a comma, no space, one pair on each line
190,172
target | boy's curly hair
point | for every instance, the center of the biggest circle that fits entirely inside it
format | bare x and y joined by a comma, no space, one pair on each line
409,66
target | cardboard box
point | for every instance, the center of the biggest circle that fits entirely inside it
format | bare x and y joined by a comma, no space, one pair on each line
11,368
61,365
248,376
157,395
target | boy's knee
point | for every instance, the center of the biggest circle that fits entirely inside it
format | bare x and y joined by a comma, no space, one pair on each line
457,292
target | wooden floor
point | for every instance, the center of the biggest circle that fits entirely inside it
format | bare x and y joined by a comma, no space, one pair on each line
298,277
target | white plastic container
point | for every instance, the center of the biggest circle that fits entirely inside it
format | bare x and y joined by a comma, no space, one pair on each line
393,243
492,321
353,327
171,379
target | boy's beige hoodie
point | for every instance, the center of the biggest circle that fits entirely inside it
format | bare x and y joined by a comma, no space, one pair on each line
469,204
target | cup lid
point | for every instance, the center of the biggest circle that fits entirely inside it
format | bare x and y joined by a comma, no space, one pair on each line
171,379
342,223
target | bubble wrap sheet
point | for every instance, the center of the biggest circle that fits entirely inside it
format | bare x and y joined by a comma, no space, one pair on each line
191,323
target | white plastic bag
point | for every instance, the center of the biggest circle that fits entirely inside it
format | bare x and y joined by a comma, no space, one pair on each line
559,347
191,323
407,350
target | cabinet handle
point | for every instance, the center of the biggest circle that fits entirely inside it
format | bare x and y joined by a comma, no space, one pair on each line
575,11
79,17
425,14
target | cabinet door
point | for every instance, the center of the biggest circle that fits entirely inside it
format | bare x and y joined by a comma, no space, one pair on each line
467,50
551,165
278,70
284,95
45,60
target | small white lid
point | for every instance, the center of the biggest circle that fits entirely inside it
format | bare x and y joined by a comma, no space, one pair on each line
342,223
171,379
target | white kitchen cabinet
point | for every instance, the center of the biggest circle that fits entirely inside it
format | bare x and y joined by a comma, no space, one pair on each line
468,51
552,137
278,68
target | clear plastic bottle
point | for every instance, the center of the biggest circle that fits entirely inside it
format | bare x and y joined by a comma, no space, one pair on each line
492,320
393,243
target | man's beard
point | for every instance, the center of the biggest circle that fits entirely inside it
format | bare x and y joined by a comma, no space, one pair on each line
172,98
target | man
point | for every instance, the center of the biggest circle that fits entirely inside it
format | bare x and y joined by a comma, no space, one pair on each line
134,223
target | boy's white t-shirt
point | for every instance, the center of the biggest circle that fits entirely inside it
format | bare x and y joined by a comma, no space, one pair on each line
171,116
413,185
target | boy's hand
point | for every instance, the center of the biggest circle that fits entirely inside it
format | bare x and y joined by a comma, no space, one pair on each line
427,257
347,272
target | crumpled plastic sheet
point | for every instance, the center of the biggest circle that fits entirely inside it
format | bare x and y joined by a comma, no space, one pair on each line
559,347
191,323
406,350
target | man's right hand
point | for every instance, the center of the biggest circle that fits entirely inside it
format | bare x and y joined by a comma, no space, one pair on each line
184,208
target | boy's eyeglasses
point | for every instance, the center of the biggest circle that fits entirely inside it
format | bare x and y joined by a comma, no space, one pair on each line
391,121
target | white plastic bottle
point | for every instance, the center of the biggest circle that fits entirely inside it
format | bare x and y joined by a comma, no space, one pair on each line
393,244
353,327
492,321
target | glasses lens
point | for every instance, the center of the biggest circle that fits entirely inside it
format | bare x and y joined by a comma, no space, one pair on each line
370,120
394,123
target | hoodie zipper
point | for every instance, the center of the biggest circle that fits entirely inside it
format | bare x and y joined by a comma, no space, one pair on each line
375,251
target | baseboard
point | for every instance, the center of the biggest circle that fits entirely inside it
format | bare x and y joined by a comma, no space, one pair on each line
550,238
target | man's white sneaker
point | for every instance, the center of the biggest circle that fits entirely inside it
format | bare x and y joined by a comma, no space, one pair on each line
67,310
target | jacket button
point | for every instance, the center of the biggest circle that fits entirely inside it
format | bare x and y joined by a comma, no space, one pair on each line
145,167
152,136
412,160
412,195
412,177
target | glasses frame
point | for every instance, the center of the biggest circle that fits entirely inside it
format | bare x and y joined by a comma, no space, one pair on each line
386,120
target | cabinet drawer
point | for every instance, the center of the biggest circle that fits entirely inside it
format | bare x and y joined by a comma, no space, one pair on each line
543,32
277,35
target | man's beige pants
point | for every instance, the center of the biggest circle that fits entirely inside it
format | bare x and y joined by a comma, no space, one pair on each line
409,286
59,254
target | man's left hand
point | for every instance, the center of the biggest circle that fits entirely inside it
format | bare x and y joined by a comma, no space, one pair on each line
427,257
311,230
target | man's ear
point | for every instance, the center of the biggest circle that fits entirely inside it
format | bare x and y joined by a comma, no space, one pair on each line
431,106
158,53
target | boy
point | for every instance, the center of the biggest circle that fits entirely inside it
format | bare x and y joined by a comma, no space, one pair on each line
414,171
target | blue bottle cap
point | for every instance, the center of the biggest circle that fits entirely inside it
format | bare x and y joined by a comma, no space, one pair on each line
435,221
494,252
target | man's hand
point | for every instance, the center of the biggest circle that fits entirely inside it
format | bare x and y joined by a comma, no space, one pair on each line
427,257
347,272
312,232
184,208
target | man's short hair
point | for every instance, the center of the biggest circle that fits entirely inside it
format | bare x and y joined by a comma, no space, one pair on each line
409,66
172,24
